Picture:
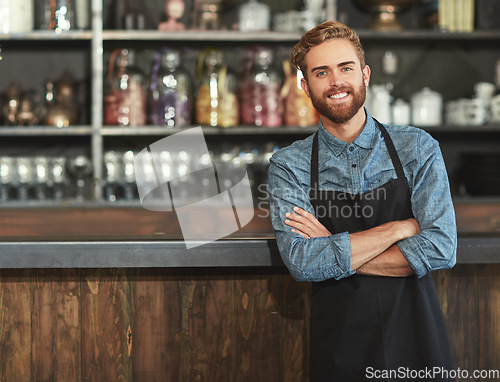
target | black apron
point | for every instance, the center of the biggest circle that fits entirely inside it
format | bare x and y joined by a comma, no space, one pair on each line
364,325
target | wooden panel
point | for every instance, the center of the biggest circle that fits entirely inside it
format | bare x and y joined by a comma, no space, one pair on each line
107,319
478,217
56,326
457,291
155,334
88,221
199,324
257,323
295,311
489,317
15,325
101,221
73,221
207,320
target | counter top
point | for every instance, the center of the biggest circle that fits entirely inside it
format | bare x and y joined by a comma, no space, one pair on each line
160,251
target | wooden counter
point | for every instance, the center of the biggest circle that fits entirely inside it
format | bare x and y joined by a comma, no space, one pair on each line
131,310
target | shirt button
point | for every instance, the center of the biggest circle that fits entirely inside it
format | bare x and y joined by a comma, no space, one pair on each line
354,165
351,148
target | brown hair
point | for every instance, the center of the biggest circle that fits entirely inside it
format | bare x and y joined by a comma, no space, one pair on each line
318,35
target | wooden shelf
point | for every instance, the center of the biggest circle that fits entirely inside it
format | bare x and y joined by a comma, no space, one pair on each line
272,36
29,131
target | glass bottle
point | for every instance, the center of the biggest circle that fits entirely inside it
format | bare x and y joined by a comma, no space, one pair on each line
260,92
125,104
216,104
169,95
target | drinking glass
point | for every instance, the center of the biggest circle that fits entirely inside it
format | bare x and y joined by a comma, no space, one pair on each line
80,167
58,177
6,177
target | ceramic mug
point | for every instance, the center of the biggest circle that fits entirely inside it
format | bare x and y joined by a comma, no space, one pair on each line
484,91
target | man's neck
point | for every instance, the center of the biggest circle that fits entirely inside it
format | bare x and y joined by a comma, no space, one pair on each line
349,130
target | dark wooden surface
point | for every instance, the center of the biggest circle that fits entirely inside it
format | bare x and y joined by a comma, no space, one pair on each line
152,325
194,324
101,221
198,324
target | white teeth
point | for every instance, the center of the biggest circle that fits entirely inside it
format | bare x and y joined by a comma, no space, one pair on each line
338,96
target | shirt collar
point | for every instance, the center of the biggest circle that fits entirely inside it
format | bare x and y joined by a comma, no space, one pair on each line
366,139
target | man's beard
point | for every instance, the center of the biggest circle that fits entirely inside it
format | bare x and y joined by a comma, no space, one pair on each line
340,113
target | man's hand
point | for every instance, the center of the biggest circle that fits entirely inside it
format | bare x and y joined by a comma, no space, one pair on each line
366,245
391,262
305,224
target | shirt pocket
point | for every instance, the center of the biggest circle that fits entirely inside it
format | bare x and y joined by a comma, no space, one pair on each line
377,180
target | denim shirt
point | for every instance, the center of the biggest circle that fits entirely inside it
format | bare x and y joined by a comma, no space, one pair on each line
355,168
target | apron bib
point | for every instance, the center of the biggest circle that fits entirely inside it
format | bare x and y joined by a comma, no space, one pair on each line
364,324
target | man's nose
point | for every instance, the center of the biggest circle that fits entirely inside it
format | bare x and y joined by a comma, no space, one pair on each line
336,79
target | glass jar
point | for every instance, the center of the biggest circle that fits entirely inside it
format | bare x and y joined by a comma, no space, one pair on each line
216,103
57,15
169,95
254,16
207,15
125,104
16,16
259,92
298,108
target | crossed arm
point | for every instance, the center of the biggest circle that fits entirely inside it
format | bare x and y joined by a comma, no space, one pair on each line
373,252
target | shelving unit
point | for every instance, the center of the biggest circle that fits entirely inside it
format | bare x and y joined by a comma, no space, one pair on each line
97,40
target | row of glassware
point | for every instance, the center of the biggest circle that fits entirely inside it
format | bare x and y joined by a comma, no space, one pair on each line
260,95
46,178
121,166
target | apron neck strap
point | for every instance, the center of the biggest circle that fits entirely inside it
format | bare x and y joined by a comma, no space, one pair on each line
314,164
388,143
396,162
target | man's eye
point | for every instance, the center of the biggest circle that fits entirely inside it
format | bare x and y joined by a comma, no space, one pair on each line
321,73
346,69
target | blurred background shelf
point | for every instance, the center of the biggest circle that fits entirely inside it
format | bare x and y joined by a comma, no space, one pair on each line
448,62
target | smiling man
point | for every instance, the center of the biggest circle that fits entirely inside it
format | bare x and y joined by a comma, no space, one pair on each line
363,210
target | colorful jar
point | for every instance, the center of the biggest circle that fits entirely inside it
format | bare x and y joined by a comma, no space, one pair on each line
169,94
125,103
259,93
216,103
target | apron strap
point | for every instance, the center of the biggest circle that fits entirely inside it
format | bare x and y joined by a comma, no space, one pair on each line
396,162
314,165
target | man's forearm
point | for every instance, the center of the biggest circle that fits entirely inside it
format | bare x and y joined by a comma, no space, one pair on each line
367,245
391,262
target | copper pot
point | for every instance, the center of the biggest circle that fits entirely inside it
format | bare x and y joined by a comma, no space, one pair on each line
62,103
11,100
385,12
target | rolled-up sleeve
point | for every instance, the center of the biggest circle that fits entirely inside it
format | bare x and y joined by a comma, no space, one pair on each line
435,246
314,259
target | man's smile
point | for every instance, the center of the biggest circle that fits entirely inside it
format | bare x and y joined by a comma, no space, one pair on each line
339,95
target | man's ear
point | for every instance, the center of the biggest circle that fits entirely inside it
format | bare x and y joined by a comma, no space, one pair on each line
305,86
366,75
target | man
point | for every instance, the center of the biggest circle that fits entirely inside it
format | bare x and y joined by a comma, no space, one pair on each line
364,211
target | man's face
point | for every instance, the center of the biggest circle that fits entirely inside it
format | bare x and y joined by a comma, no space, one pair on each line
336,83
